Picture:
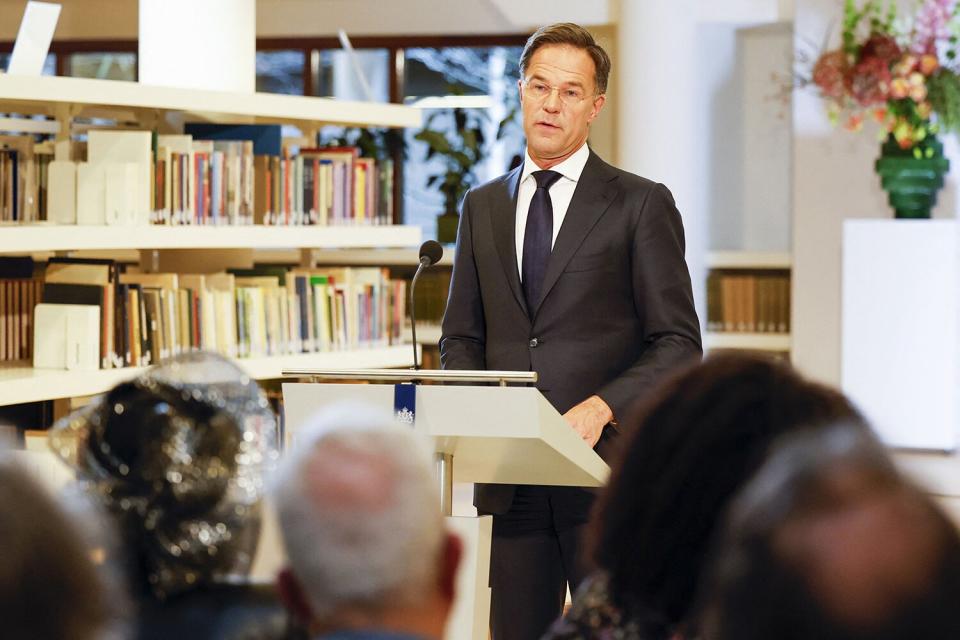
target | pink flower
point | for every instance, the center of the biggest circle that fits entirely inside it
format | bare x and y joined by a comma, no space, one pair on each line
932,24
881,46
870,82
830,74
854,122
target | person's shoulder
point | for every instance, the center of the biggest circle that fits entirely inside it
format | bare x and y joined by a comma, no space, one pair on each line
497,184
629,181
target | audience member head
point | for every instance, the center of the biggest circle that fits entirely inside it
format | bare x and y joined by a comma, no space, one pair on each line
178,457
693,444
828,542
359,512
49,586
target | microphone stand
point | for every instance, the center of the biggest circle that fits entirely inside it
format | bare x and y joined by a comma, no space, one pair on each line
424,262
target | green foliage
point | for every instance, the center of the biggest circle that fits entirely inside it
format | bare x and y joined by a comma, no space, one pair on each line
943,92
880,15
460,150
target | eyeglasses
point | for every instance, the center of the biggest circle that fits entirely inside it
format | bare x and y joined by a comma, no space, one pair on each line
540,90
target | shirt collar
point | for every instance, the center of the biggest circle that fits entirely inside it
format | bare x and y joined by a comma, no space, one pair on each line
571,168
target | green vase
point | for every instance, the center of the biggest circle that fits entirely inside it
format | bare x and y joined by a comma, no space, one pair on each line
912,182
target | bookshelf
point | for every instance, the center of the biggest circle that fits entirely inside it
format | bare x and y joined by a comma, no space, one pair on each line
21,383
748,301
42,237
749,260
713,340
81,96
164,108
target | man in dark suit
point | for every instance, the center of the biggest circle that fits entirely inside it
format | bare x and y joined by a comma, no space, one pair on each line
574,269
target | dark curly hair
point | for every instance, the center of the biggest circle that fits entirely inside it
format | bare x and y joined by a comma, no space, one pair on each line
694,443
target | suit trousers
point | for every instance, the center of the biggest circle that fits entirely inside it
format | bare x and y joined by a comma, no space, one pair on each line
535,553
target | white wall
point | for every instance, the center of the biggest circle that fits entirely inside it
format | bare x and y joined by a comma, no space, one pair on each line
766,63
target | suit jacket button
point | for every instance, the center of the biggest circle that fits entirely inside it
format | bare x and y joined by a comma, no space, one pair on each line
534,342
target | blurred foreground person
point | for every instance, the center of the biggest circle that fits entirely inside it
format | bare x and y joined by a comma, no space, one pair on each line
178,458
369,555
692,446
49,586
830,543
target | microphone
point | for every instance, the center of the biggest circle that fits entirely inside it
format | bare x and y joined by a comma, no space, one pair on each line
430,254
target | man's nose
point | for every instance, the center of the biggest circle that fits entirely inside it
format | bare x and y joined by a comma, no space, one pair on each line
552,103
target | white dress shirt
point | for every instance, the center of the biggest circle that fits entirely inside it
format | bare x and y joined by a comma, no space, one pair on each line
560,194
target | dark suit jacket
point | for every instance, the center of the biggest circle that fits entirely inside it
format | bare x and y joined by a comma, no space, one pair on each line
616,310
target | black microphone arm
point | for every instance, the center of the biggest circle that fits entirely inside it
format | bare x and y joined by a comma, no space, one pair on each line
430,254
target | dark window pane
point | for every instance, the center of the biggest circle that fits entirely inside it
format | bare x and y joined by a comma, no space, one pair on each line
49,65
105,66
280,72
479,79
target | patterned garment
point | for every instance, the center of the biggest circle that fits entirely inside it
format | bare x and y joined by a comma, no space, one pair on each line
594,616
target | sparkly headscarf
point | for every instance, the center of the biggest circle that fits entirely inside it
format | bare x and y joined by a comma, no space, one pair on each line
179,456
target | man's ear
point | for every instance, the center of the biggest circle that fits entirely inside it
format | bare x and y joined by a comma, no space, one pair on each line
598,103
292,596
449,565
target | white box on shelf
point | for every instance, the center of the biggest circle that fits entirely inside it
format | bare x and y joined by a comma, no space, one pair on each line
62,192
121,183
66,336
901,329
90,194
104,146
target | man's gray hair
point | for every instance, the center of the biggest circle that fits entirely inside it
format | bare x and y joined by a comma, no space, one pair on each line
359,512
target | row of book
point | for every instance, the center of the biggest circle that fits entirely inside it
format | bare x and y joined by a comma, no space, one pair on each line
137,177
748,301
145,317
18,297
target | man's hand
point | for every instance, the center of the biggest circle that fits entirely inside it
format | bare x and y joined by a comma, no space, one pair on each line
588,418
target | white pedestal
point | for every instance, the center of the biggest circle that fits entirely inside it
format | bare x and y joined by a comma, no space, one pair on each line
901,329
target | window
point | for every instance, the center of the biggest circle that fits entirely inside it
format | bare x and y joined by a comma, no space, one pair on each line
102,65
49,65
280,72
365,76
480,78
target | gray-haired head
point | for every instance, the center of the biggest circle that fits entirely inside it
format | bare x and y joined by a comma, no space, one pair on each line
359,513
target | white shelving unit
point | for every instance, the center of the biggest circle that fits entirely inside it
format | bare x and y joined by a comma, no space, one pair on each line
20,383
752,341
749,260
376,257
65,99
45,94
41,237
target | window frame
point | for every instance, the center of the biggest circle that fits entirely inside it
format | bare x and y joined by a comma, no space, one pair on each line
395,45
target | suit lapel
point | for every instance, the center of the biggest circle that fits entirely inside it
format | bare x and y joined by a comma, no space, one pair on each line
504,221
593,195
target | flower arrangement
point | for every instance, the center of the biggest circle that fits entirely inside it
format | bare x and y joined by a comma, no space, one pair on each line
901,71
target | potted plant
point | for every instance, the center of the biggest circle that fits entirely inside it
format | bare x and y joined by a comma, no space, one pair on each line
902,73
460,148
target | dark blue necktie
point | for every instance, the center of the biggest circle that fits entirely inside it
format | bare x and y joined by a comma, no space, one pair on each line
538,238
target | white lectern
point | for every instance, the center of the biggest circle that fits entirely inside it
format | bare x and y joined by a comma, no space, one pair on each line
508,435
